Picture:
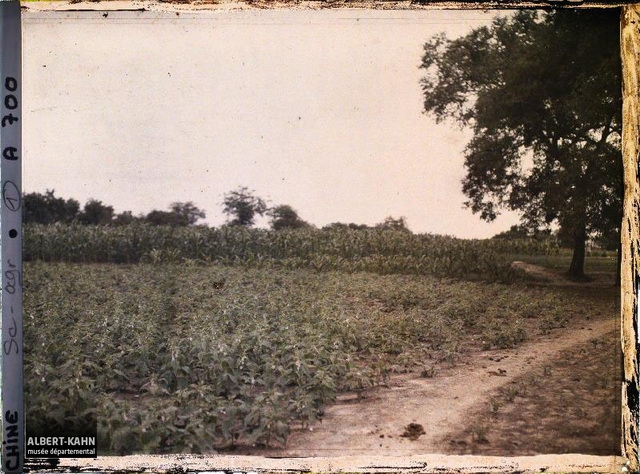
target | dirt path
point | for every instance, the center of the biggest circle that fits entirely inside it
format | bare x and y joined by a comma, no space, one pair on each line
441,405
548,277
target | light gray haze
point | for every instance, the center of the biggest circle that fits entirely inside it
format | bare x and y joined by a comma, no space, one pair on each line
321,110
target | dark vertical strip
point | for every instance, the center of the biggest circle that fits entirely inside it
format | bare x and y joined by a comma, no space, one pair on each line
11,236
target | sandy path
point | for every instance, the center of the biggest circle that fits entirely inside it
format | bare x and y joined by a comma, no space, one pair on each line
374,425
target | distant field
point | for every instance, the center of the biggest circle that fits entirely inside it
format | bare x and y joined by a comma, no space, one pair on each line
346,250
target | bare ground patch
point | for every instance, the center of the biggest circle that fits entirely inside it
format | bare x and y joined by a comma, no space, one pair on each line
571,409
554,277
569,405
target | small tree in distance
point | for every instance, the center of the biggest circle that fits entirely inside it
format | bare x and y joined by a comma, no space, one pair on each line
241,206
285,217
96,213
180,214
126,218
189,212
390,223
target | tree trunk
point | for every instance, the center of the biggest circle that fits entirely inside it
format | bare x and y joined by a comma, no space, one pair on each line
576,269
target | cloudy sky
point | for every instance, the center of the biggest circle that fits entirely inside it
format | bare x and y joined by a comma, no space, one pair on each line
319,110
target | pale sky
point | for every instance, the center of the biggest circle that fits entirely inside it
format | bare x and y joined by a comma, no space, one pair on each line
321,110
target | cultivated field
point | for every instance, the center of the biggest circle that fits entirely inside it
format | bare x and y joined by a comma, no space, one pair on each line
197,340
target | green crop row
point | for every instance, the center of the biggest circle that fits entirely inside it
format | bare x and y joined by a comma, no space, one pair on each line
377,251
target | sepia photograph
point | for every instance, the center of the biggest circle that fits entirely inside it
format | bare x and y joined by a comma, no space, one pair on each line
296,233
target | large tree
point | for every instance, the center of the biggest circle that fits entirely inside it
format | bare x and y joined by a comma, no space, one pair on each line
542,93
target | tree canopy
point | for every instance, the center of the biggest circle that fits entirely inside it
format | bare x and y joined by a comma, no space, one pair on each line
189,212
542,93
47,208
180,214
242,205
96,213
285,217
391,223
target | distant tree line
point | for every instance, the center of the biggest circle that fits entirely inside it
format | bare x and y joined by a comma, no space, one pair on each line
241,206
47,208
390,223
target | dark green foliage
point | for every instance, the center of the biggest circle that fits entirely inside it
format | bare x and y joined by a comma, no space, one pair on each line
126,218
166,218
96,213
343,226
285,217
522,232
242,206
187,211
48,209
544,102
